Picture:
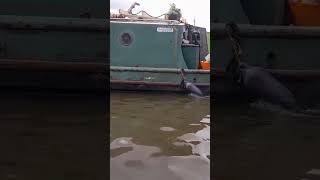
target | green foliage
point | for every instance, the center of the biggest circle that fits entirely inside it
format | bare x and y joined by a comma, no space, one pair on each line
174,12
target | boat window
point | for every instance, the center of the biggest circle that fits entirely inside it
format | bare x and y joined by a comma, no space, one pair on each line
126,39
196,38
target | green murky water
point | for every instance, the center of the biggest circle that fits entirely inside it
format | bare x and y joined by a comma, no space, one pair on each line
52,136
262,141
159,136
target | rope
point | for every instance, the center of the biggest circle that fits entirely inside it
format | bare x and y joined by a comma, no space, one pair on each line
232,31
149,14
234,65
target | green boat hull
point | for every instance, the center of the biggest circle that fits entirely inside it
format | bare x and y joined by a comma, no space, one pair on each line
69,50
290,53
157,79
54,45
53,53
153,58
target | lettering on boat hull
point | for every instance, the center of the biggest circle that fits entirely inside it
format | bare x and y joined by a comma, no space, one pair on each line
164,29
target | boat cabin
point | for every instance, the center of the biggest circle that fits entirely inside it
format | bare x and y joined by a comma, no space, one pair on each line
156,43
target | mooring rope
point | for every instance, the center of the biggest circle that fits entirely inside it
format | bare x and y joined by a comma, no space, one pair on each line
149,14
234,65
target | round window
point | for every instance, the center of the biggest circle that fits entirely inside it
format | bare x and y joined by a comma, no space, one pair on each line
126,39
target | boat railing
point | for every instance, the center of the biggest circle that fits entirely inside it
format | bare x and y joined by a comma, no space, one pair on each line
146,20
268,31
158,70
52,23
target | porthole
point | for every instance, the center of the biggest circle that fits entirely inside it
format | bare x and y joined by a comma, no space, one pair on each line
126,39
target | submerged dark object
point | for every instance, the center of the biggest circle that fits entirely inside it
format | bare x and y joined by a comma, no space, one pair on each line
190,87
263,85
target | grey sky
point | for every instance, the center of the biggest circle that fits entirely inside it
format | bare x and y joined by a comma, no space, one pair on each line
200,10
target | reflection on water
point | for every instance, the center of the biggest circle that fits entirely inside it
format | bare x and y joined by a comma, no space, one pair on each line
157,136
262,141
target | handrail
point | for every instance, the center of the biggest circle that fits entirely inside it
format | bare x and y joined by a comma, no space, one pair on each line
150,20
265,31
52,23
163,70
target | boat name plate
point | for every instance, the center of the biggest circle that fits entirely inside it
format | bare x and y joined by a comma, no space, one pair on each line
164,29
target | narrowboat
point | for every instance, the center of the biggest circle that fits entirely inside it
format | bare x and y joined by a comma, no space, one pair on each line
54,44
155,54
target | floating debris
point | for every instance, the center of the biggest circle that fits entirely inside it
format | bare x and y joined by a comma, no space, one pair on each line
195,124
121,142
169,129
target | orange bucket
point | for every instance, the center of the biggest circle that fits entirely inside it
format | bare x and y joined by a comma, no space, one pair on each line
205,65
305,14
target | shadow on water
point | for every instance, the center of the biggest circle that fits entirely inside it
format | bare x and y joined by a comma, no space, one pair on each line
159,136
52,136
261,141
